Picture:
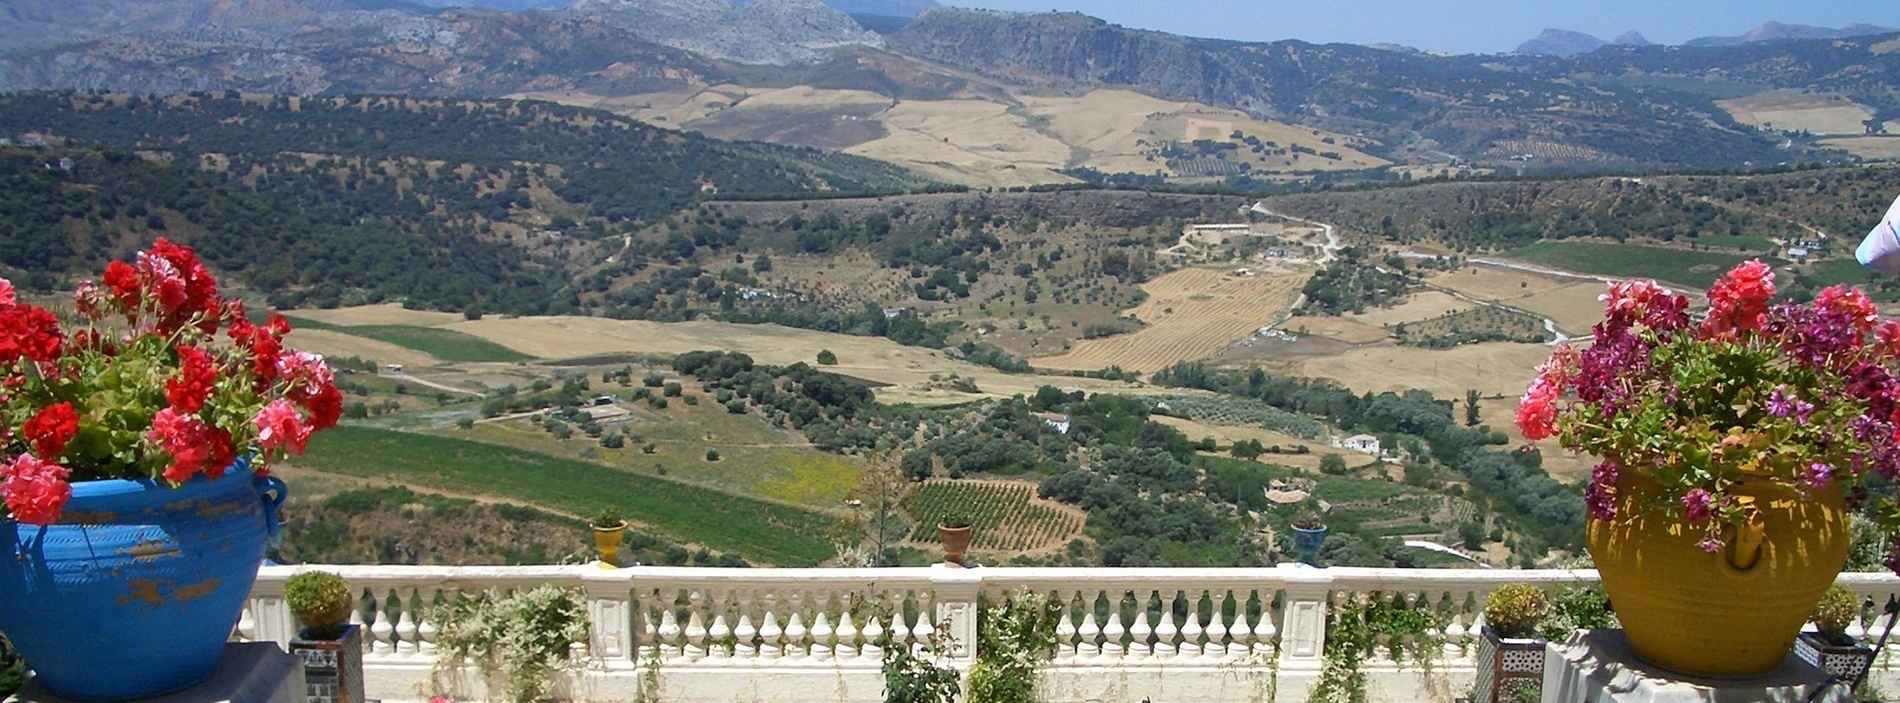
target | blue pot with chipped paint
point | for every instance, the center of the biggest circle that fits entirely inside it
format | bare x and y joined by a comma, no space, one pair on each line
135,591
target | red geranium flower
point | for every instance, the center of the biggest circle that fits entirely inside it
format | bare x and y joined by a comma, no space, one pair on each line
35,490
195,380
52,428
156,342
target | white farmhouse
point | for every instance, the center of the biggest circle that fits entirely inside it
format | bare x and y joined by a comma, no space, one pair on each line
1362,443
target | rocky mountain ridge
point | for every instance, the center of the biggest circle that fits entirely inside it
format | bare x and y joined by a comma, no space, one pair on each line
1565,42
1624,106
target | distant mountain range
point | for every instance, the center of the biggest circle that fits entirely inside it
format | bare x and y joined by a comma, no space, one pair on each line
884,8
1564,42
1632,107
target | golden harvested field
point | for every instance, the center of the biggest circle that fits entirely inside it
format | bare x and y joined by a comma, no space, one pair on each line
1422,305
1574,307
1006,140
1789,110
908,369
386,314
1571,303
1876,147
1335,328
1191,314
1494,368
978,136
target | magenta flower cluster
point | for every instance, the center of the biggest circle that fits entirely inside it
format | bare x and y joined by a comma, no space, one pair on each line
1802,394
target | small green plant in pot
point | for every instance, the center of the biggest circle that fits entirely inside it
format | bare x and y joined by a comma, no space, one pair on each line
1831,648
1514,610
320,601
609,530
1511,652
330,647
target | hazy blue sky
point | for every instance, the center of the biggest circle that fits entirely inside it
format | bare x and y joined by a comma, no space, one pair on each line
1461,26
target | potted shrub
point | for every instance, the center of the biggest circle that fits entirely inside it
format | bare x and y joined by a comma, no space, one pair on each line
609,529
1510,650
1309,532
954,531
520,642
329,645
1829,646
1729,444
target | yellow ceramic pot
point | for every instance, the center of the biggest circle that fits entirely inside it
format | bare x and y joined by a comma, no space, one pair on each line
1730,614
607,541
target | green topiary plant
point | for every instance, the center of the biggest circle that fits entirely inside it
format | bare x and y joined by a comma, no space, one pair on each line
321,601
1514,610
1838,609
608,519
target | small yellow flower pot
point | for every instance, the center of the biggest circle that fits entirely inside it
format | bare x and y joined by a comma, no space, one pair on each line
607,542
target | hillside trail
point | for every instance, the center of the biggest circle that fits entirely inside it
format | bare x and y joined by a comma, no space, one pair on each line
1557,334
431,384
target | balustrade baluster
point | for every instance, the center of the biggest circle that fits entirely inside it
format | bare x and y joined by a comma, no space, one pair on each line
406,623
1217,645
1191,631
246,625
847,648
1087,645
1454,628
1266,634
670,635
771,637
900,634
1139,643
1240,633
356,618
1113,631
796,645
695,630
426,629
925,629
381,631
821,629
745,634
719,642
1166,629
1066,641
873,634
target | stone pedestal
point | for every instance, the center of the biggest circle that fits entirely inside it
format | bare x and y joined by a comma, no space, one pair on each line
249,672
1597,666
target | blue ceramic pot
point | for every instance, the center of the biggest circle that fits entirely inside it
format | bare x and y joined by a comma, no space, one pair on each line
1306,544
135,591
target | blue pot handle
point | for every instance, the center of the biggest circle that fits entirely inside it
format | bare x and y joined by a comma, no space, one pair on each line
273,492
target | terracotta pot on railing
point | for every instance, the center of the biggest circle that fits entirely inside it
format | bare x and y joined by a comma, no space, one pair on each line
956,540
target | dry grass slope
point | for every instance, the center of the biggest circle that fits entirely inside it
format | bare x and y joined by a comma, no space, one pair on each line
1192,313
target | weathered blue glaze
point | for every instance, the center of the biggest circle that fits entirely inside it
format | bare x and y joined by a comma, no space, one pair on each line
135,591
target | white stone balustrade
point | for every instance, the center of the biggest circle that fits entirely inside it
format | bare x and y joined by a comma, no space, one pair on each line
810,635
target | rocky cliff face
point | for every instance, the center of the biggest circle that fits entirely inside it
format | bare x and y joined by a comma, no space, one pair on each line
463,53
316,46
768,32
1056,48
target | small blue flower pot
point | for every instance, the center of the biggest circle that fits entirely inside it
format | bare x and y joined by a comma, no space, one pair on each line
1306,544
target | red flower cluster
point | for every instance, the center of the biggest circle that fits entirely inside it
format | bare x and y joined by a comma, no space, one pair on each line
149,365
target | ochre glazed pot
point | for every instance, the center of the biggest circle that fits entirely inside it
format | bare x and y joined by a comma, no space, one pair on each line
1725,615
